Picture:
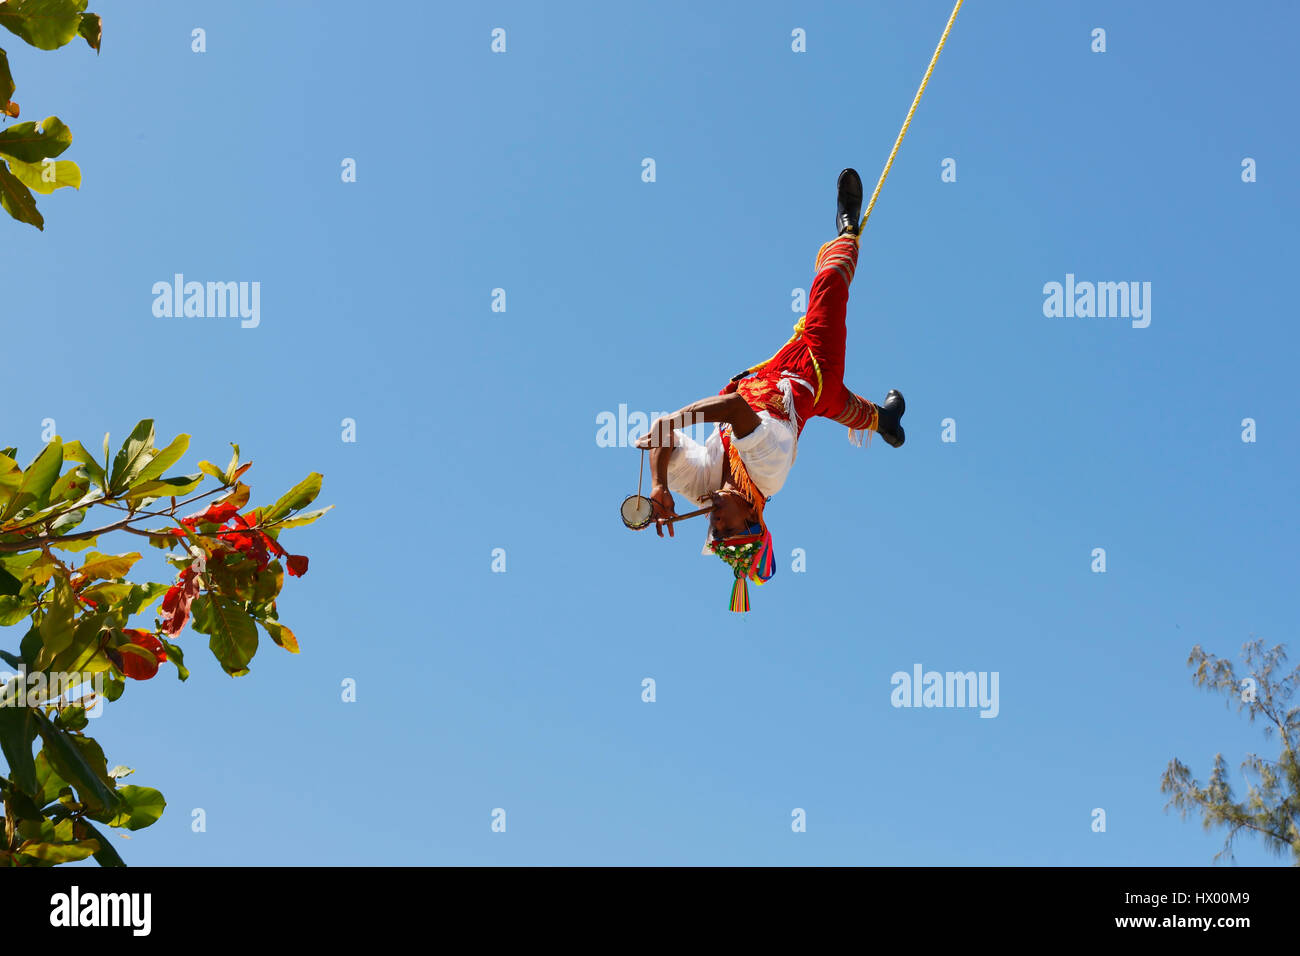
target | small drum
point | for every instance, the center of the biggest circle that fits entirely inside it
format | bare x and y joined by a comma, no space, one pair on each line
637,512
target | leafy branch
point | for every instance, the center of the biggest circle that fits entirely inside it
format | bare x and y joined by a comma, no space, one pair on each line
1271,808
28,150
229,568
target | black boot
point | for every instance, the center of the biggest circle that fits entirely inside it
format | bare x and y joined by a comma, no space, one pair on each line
889,418
848,202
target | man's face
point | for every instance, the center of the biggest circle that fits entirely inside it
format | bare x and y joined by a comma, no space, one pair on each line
731,513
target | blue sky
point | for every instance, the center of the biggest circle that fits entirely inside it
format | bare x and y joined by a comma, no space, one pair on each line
477,429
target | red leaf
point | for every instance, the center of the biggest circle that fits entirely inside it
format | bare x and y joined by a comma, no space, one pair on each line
146,639
141,664
217,514
175,609
274,546
251,544
138,666
297,565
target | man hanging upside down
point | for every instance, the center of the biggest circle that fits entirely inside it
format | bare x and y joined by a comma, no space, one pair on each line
762,412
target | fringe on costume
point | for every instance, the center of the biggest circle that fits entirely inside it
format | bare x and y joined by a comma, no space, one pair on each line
740,478
860,418
786,385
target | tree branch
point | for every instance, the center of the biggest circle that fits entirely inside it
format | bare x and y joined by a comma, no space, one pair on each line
45,539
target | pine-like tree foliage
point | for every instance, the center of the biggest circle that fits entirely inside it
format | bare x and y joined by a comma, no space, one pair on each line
1271,808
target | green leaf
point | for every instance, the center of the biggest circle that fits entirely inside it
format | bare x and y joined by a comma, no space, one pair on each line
22,561
47,175
52,854
58,624
143,595
132,457
165,458
11,476
32,142
17,731
38,479
56,828
30,646
268,583
299,496
110,594
48,782
210,469
229,476
91,29
174,485
307,517
14,609
177,658
142,806
281,635
73,485
82,655
105,566
8,583
74,451
26,813
35,568
45,24
6,80
83,544
232,633
113,688
72,717
17,200
79,761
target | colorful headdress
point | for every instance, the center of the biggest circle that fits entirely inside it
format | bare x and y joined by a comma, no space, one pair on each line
751,558
749,553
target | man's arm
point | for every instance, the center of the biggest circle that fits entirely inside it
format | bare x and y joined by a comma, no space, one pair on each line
716,408
731,409
659,493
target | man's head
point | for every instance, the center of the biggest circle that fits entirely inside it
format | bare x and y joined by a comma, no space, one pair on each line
739,536
732,514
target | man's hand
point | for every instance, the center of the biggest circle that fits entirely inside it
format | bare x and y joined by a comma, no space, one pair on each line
660,435
661,500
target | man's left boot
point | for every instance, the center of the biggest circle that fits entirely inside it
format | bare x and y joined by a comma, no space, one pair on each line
889,418
848,202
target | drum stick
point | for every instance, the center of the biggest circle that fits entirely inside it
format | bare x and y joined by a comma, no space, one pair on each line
689,514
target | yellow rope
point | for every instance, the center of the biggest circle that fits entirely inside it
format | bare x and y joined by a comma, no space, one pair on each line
916,101
908,122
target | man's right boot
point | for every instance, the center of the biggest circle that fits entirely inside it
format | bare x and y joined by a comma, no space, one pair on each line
889,418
